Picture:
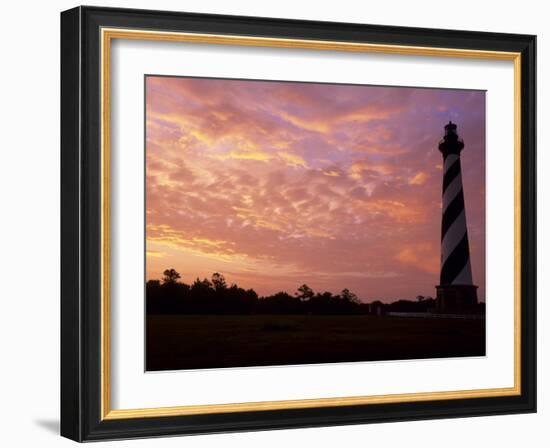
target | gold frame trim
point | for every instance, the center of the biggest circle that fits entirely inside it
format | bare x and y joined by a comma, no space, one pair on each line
107,35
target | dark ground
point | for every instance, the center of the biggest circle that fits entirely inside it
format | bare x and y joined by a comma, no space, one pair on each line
196,341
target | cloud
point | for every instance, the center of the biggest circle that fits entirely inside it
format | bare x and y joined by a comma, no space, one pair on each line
419,178
422,256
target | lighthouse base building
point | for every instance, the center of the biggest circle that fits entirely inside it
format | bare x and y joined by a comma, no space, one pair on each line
456,299
456,292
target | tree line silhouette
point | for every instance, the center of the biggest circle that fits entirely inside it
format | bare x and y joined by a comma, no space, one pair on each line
215,296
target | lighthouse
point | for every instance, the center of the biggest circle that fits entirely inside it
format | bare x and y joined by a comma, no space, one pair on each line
456,292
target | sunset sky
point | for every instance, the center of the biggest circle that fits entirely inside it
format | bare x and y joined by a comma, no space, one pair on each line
275,184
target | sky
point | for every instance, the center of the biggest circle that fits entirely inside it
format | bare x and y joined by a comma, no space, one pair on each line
276,184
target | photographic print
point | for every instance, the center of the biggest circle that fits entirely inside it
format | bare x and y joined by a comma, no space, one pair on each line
251,202
301,223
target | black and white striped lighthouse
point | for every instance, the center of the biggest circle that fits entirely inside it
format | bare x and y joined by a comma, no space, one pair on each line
456,292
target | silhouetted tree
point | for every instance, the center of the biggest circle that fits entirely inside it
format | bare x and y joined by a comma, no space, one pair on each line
280,302
153,284
218,280
171,276
324,303
304,293
199,287
348,296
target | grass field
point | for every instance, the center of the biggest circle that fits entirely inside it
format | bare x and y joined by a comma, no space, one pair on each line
197,341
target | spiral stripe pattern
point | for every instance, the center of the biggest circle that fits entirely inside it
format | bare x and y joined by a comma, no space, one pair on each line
455,252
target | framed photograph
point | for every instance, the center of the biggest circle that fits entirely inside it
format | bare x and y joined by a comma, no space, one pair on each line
274,223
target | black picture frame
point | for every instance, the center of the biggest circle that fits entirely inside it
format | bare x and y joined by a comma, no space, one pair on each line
81,227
